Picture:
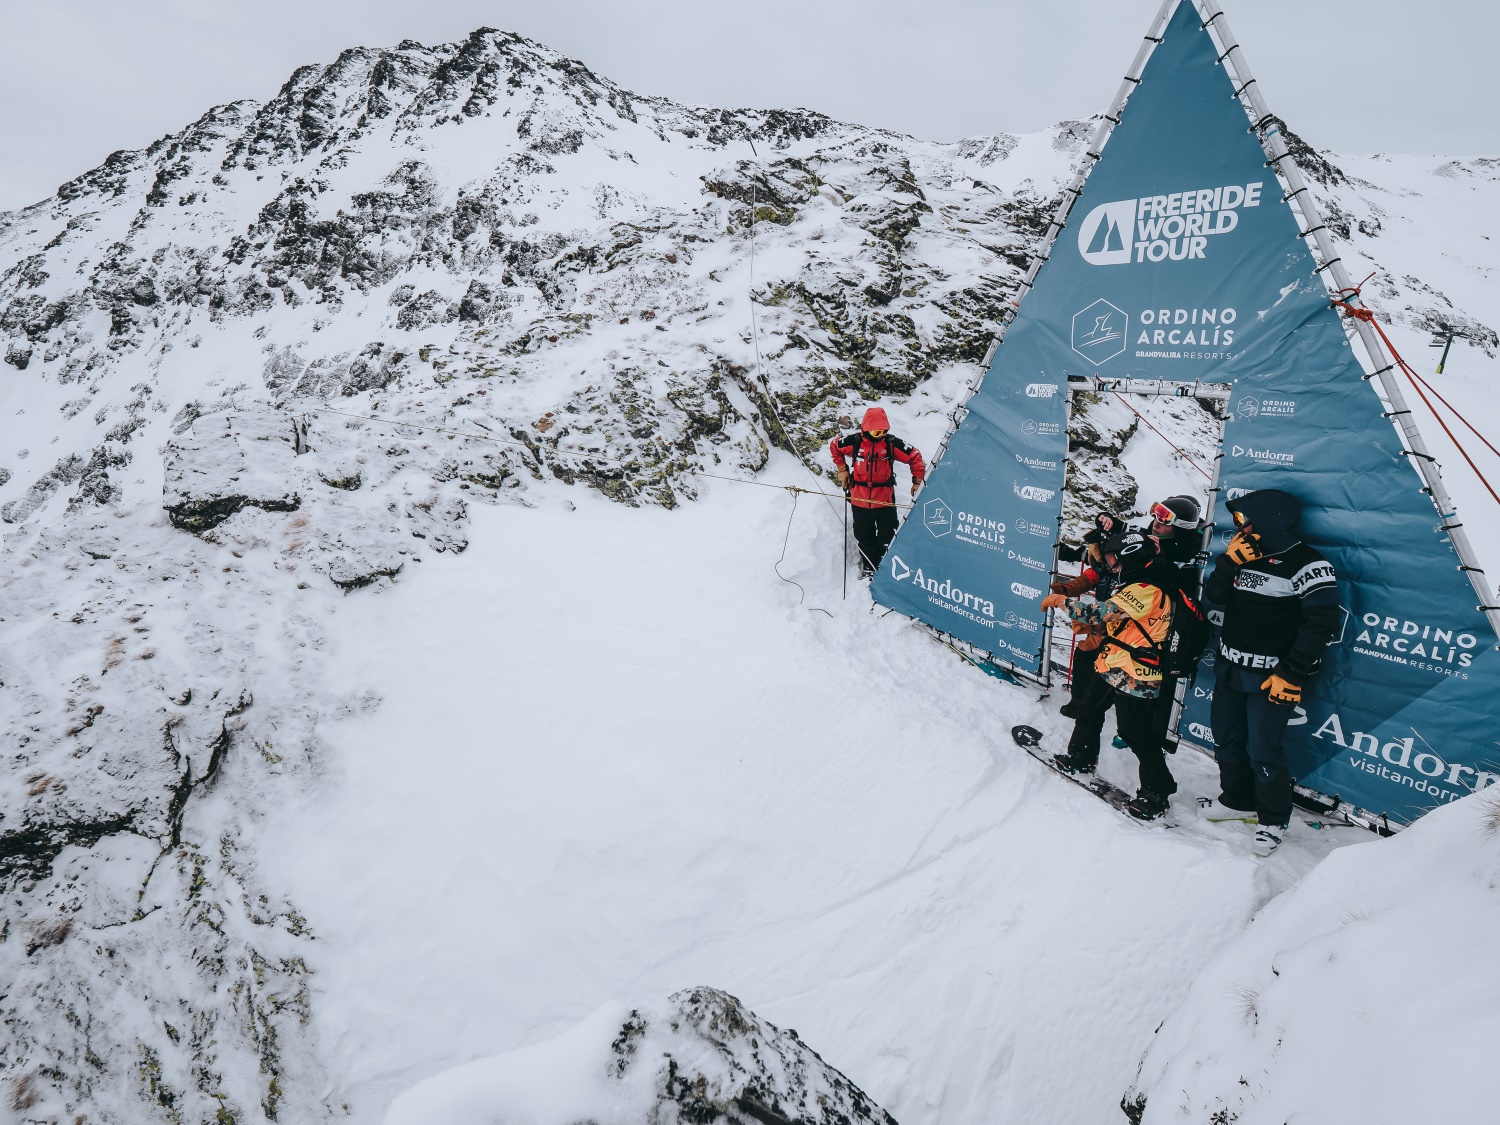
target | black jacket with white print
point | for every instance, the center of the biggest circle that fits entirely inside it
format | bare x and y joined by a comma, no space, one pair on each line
1281,610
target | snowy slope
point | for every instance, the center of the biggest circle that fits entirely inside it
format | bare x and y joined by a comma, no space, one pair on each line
698,785
375,694
1350,995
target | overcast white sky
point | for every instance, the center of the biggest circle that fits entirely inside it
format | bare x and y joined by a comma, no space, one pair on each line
81,78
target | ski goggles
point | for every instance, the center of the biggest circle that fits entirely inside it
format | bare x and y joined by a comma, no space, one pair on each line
876,433
1239,519
1163,514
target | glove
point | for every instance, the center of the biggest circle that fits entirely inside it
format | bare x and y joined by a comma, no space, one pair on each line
1281,691
916,484
843,478
1054,601
1244,548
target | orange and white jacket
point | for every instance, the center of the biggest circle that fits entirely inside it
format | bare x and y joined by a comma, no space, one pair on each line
1137,616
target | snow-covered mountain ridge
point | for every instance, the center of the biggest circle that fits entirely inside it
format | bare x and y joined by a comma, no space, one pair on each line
548,278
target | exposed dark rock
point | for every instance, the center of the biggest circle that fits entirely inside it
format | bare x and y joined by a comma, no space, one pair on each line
66,471
1315,166
716,1061
26,854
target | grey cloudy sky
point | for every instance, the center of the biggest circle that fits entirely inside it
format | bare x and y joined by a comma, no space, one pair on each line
81,78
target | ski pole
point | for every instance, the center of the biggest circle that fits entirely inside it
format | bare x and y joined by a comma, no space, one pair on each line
846,544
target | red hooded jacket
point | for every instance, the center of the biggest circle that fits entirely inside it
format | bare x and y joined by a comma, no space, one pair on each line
872,461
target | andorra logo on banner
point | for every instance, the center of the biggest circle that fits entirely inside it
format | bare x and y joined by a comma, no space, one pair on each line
1157,228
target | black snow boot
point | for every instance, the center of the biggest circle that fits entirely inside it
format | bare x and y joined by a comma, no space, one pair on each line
1147,805
1069,710
1074,763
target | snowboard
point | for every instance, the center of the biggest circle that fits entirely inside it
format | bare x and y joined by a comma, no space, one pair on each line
1030,740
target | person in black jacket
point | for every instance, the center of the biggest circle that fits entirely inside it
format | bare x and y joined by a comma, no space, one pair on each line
1281,608
1093,577
1175,525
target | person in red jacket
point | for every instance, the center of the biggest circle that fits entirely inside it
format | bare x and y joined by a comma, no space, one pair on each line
866,464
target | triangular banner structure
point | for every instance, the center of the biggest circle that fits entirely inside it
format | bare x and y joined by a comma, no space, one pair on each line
1182,261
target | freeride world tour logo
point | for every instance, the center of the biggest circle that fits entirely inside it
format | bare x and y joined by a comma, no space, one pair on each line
1156,228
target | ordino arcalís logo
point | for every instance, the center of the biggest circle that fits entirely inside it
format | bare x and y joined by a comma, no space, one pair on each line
1156,228
1099,331
1425,647
1399,761
1041,429
1252,407
980,530
937,517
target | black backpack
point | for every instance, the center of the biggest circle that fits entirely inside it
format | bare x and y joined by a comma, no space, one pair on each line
1187,638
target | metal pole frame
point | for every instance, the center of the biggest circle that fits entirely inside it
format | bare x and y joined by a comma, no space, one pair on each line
1315,233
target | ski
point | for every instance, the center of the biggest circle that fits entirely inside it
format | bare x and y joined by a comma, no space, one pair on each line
1030,739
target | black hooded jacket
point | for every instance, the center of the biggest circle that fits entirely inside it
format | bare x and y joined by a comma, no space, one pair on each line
1281,610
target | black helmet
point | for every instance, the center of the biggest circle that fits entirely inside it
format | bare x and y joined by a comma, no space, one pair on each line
1133,553
1178,511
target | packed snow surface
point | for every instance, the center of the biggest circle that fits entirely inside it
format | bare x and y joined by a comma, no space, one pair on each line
616,757
1357,996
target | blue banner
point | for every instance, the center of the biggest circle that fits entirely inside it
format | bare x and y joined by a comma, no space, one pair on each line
1182,261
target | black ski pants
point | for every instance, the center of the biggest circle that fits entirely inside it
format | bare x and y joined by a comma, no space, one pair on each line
1092,699
1139,723
1084,677
874,528
1083,674
1164,703
1248,727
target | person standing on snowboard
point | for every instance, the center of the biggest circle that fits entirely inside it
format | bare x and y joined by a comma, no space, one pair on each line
1136,620
866,469
1093,577
1281,609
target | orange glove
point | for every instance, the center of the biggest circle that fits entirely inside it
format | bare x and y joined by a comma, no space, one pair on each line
842,476
1281,691
1054,601
916,484
1084,629
1244,548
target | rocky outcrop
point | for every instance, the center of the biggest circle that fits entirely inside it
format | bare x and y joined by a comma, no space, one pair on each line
229,462
701,1057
